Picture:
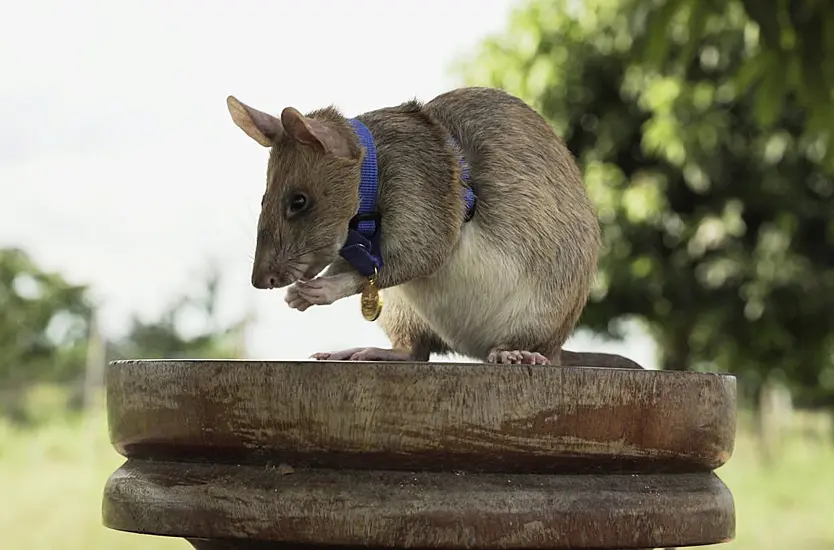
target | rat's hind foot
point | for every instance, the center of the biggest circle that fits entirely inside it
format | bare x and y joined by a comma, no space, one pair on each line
365,354
517,357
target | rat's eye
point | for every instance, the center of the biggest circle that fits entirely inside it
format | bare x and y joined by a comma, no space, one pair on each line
298,203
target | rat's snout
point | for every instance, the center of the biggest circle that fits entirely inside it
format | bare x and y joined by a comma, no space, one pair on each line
265,278
269,266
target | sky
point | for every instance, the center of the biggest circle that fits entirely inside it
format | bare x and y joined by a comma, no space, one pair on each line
120,166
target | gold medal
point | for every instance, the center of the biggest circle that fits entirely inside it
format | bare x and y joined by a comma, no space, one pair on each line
371,300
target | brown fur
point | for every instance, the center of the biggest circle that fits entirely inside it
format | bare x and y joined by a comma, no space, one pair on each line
519,272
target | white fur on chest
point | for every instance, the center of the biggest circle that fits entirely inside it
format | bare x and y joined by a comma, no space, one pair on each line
478,298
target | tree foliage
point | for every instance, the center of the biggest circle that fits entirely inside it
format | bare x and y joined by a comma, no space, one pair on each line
793,44
43,322
45,332
169,336
717,219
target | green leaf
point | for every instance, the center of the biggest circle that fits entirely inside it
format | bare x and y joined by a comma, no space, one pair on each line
750,73
656,44
766,15
768,103
813,61
698,12
827,17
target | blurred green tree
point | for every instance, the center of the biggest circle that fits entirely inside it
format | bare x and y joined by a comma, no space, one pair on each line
795,46
717,224
188,328
47,356
43,323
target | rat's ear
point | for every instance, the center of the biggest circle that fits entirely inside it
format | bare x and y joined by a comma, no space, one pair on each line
263,128
315,133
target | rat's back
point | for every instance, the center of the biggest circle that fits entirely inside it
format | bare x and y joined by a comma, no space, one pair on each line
529,188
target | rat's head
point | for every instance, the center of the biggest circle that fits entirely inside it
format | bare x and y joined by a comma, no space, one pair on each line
312,190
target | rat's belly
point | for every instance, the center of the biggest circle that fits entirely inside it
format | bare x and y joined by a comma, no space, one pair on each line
479,297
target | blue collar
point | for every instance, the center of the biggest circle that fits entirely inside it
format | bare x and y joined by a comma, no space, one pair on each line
362,250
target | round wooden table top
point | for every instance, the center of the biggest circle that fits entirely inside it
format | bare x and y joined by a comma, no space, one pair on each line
422,416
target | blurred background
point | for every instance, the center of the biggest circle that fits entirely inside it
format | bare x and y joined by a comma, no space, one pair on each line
129,201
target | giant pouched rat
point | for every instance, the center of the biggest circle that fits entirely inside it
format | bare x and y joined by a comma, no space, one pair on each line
467,212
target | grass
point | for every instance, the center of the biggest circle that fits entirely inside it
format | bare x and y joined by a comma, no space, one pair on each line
788,504
52,479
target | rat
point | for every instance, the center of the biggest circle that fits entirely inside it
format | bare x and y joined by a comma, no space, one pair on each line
463,221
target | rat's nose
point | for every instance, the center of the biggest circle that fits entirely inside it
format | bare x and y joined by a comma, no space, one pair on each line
268,279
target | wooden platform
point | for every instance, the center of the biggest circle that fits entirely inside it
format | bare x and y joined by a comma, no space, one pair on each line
234,454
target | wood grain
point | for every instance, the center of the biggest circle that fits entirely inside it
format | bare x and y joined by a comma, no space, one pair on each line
422,416
418,510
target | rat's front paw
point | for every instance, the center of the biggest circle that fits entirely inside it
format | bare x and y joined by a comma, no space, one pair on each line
321,291
296,299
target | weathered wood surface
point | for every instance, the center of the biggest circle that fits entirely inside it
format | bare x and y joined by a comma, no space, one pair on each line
419,510
338,456
422,416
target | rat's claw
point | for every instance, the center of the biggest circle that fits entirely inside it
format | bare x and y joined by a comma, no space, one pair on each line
534,358
517,357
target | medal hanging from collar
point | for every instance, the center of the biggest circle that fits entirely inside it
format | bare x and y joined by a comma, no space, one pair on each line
371,300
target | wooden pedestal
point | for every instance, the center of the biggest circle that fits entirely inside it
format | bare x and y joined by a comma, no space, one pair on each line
269,455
